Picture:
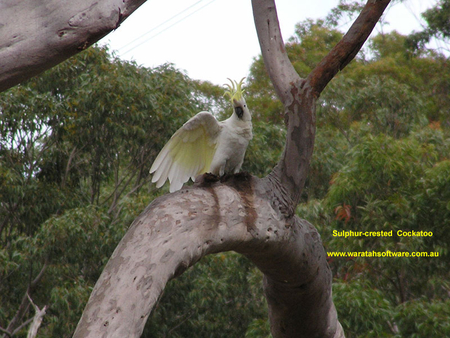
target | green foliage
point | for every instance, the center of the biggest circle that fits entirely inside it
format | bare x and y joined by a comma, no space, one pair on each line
390,184
331,148
311,42
380,163
417,318
77,142
358,299
76,146
268,139
85,131
438,26
219,297
345,9
422,318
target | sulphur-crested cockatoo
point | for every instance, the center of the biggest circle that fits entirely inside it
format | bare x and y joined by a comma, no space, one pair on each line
204,144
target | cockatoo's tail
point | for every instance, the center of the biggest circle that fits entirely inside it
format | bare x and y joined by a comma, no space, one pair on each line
235,90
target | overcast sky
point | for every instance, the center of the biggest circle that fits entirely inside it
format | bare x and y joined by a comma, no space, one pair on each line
215,39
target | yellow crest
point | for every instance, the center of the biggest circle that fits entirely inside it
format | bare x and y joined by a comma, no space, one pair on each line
235,90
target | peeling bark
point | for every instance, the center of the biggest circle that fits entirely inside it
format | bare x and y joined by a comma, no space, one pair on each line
37,36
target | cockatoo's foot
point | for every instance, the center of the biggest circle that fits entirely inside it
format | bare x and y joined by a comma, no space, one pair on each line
206,178
225,177
209,179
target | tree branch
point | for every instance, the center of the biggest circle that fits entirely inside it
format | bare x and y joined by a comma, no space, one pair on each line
24,305
178,229
280,69
289,176
37,319
254,217
5,332
344,52
52,32
299,95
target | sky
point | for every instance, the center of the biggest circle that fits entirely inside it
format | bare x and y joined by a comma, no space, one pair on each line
216,39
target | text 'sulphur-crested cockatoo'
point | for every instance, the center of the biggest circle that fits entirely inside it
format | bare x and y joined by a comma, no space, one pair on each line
204,145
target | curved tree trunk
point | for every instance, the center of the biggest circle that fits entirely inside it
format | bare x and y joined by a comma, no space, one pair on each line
177,230
254,217
37,35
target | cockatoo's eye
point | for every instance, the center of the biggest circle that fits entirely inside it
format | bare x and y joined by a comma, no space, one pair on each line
239,111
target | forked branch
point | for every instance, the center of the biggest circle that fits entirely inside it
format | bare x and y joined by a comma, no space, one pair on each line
255,217
299,95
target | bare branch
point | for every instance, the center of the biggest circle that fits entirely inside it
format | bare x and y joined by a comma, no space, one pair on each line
68,166
42,41
24,324
24,305
344,52
277,63
5,332
37,319
299,96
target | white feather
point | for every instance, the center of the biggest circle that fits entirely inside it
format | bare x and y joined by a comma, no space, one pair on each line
188,153
203,145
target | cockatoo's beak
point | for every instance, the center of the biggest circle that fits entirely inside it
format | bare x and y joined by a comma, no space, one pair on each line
238,109
237,99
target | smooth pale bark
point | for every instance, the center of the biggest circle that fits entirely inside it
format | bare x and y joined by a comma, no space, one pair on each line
178,229
37,35
299,95
289,175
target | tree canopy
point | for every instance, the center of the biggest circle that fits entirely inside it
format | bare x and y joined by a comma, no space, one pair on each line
77,143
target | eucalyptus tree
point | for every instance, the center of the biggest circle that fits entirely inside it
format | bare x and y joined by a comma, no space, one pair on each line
252,216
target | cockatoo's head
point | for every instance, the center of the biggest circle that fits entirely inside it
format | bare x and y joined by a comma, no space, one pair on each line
235,92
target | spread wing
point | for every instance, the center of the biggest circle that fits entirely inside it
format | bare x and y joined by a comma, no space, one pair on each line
188,153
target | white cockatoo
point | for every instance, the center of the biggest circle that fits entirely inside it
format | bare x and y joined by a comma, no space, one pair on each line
204,145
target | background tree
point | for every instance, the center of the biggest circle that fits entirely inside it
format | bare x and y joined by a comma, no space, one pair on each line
438,26
76,145
70,238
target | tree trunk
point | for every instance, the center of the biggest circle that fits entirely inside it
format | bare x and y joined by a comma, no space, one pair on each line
254,217
37,35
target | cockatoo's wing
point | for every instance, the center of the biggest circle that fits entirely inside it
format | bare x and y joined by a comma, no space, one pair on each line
188,153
